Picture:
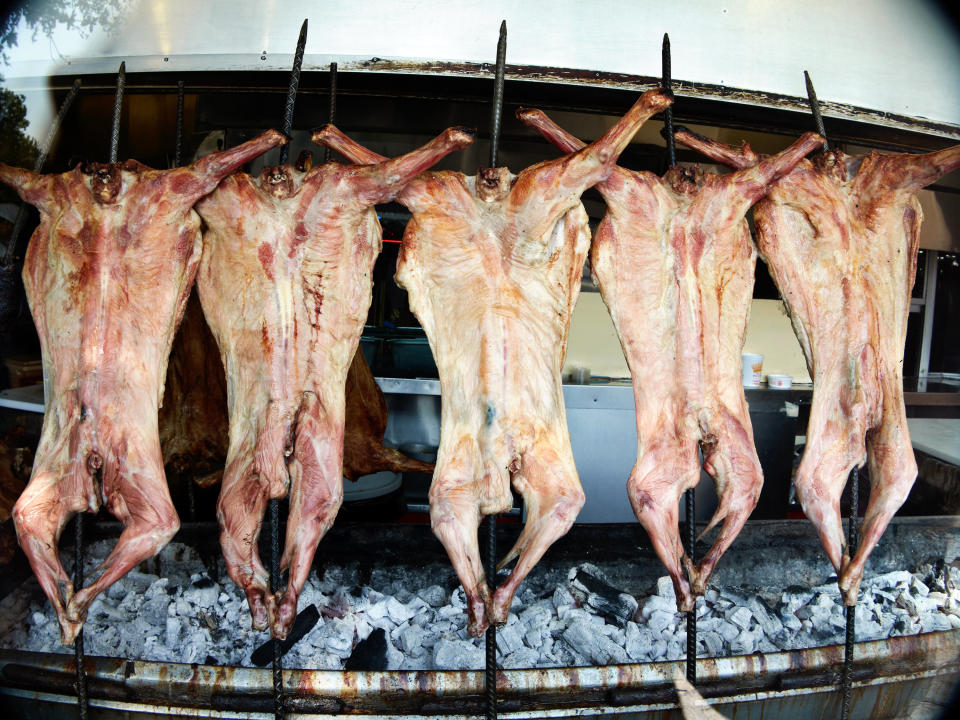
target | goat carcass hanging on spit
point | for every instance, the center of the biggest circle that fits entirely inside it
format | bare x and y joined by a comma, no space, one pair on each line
107,275
675,263
492,264
840,236
194,424
285,283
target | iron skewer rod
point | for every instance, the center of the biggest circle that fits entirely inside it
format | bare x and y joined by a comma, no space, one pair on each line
177,159
38,166
274,504
666,84
178,151
274,588
692,615
78,650
292,90
497,112
490,640
333,105
815,109
117,109
83,702
850,611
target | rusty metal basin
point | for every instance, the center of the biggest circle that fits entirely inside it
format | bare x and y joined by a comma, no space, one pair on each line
891,677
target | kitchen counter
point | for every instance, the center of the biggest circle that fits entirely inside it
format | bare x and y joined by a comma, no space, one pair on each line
938,437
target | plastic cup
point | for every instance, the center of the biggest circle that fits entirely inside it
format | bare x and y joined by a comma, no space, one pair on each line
752,369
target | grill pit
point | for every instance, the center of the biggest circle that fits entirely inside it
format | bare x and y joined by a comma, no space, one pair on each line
600,608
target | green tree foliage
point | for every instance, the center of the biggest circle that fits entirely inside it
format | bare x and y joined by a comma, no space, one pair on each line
16,147
44,15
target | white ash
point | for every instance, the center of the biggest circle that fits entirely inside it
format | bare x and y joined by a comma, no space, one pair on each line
196,614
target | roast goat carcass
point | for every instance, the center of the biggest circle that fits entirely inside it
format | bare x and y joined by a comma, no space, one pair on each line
492,265
840,236
285,283
675,264
107,276
193,418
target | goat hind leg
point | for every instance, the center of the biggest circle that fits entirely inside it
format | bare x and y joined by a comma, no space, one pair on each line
240,509
141,500
39,516
455,519
893,470
735,467
316,492
661,475
551,490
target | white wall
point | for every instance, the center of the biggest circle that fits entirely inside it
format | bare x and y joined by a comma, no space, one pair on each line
593,340
897,56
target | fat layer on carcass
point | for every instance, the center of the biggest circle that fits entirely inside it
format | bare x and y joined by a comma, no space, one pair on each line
840,236
107,275
675,264
285,283
492,264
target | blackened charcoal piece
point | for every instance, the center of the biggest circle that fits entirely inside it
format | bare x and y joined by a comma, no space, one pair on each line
611,603
304,623
369,654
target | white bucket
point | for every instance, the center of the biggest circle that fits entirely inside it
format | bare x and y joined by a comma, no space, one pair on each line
752,369
780,382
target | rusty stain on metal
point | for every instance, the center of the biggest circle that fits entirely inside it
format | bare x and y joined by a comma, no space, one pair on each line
786,674
681,88
569,76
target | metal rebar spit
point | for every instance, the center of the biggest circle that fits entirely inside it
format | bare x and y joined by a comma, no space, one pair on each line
815,109
490,674
333,105
178,151
292,90
117,110
850,611
83,702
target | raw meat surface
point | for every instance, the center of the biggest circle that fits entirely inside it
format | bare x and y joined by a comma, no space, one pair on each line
107,275
840,236
492,264
285,282
675,263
